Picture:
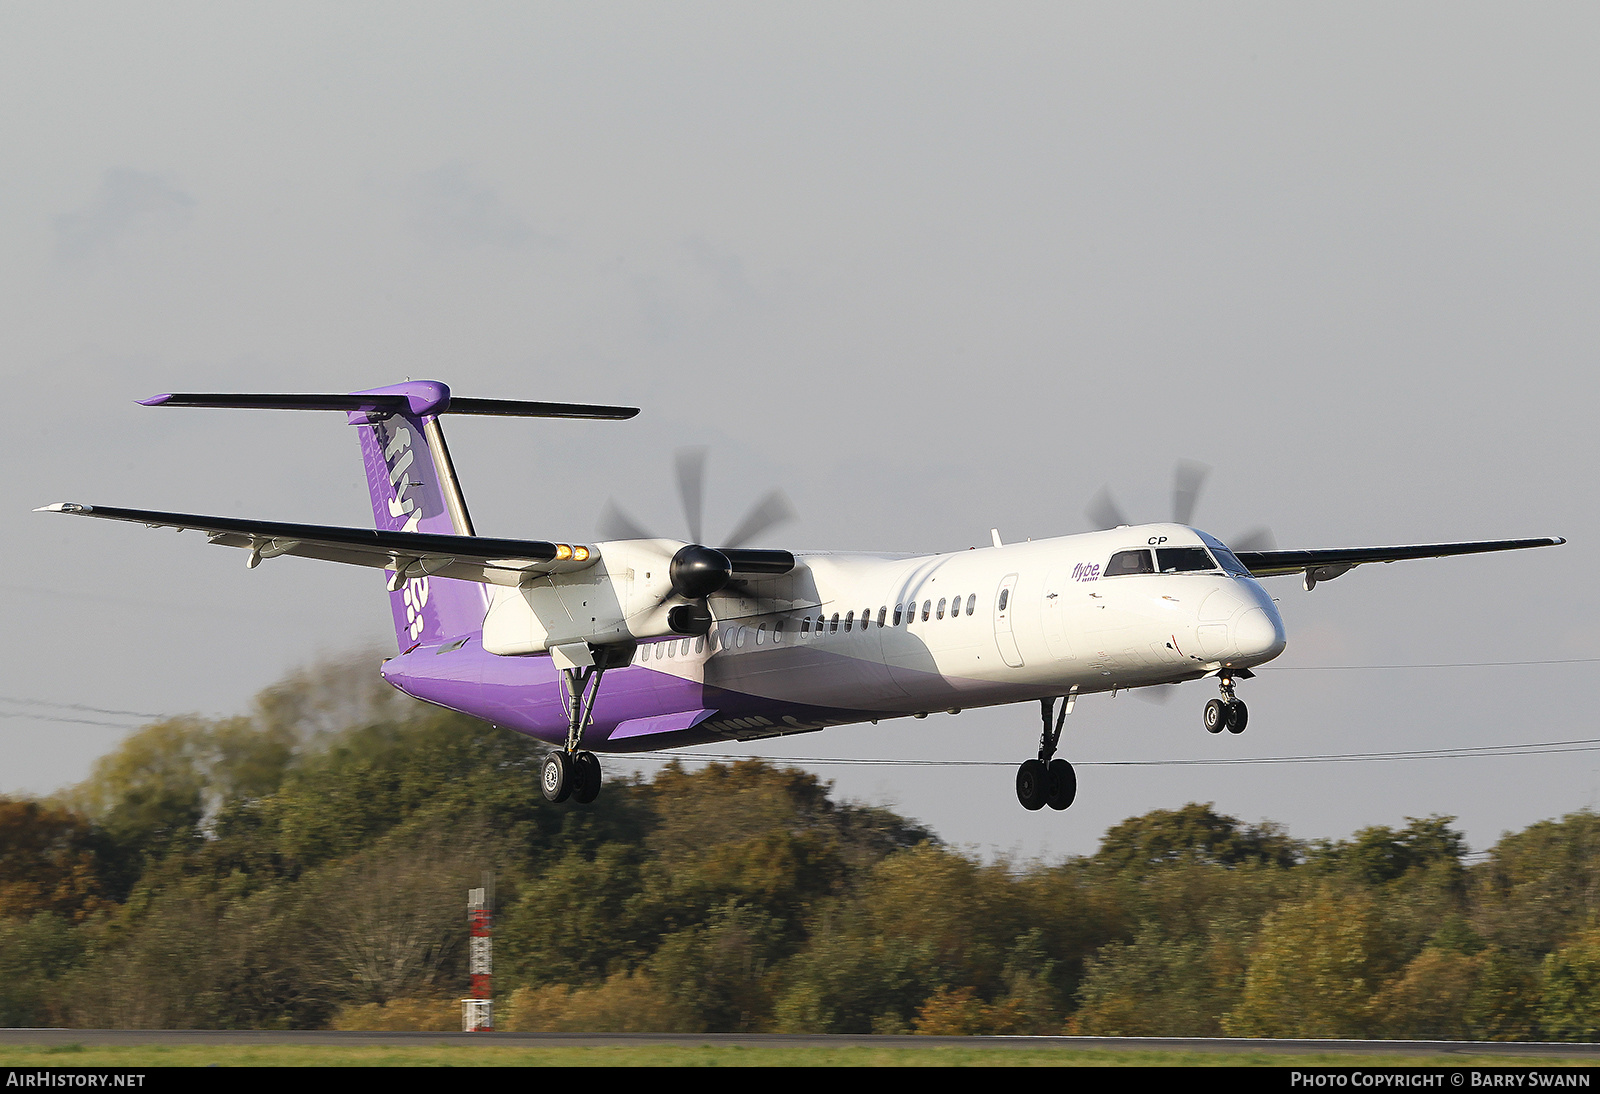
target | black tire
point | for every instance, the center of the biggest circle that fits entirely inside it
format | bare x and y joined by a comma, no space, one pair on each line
1238,716
1216,716
1032,784
556,777
1063,785
586,768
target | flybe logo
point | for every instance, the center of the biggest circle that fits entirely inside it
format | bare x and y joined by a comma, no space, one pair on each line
1086,571
398,457
415,595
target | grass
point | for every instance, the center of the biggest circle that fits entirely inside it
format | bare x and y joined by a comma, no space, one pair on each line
521,1055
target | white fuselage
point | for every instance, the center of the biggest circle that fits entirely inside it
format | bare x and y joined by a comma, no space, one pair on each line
979,627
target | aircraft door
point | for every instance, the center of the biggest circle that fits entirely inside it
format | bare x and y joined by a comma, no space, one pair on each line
1004,608
1055,615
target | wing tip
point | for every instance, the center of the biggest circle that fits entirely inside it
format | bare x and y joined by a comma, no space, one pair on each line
64,507
154,400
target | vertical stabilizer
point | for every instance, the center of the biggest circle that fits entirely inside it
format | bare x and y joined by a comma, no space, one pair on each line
414,489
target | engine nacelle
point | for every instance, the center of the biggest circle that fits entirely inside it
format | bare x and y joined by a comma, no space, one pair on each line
627,596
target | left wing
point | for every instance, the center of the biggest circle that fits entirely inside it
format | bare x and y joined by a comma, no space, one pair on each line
1325,564
408,554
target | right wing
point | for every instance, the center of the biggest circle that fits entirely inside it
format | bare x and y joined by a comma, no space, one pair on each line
1325,564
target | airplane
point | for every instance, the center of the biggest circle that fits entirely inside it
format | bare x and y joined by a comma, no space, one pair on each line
700,644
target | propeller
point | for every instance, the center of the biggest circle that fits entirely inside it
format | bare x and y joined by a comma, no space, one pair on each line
697,571
1188,479
773,508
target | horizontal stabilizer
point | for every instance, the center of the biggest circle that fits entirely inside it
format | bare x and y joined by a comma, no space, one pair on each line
409,554
1274,563
426,398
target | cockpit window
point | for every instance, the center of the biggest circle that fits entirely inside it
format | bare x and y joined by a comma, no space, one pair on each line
1129,562
1183,560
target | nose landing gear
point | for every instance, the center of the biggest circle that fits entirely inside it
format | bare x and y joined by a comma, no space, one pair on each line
1047,780
1227,713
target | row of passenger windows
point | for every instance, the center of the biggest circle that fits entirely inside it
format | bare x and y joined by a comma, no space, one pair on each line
732,636
903,614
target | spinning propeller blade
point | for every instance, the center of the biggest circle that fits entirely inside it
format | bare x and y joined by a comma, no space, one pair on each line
1103,511
1188,479
769,512
691,464
613,523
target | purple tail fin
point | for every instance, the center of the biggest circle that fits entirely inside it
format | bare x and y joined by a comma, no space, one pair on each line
414,489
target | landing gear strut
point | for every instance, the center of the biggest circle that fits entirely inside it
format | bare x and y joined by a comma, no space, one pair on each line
1046,780
1227,713
571,773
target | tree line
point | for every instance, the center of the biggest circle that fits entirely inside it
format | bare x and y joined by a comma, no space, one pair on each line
305,866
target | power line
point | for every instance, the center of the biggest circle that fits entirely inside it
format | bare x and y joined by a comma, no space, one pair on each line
1536,748
77,706
83,708
1438,665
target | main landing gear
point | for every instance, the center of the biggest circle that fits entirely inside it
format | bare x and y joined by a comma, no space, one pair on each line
1046,780
1227,713
570,773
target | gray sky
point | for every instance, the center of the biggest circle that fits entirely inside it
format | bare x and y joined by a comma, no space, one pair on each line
930,268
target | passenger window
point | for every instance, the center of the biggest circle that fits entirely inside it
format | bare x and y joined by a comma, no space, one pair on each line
927,610
761,634
883,613
848,616
955,606
740,639
672,648
1129,562
834,624
1005,595
941,607
777,632
897,608
700,644
972,603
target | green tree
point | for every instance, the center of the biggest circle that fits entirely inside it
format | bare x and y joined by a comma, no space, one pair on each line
1569,996
1314,968
1539,887
1195,833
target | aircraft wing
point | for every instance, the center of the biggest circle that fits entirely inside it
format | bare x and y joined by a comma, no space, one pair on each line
408,554
1325,564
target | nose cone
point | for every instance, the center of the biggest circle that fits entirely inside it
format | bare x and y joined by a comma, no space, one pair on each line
1259,636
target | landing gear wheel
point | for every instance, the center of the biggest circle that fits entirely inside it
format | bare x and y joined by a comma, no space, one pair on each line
1238,716
1216,716
586,778
556,778
1032,784
1062,785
